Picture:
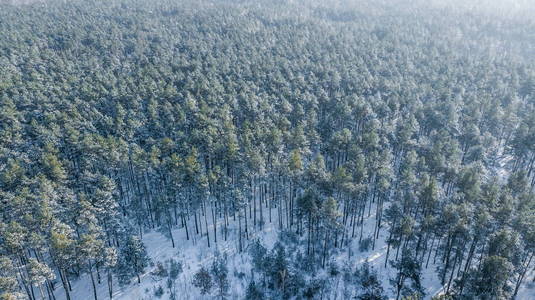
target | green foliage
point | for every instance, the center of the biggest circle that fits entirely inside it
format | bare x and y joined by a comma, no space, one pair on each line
407,282
295,163
158,292
133,260
331,116
160,271
8,280
368,284
253,292
175,268
491,280
219,273
203,281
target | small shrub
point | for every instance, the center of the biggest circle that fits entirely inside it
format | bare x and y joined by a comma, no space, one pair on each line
365,244
158,292
175,268
334,269
239,274
203,281
160,271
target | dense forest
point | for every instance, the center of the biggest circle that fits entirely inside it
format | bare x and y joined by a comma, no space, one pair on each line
210,121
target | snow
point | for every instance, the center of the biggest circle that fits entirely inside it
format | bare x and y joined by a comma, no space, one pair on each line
194,254
527,290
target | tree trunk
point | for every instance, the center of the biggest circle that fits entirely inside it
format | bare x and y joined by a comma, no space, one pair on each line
388,246
239,233
169,225
93,281
521,276
65,284
325,248
110,284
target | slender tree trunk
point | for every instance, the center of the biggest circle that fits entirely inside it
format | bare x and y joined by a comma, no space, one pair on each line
522,274
325,248
93,281
448,252
430,251
309,231
185,221
50,290
467,264
239,233
110,284
214,220
452,271
65,285
196,225
206,223
246,229
169,225
261,199
399,285
254,202
388,246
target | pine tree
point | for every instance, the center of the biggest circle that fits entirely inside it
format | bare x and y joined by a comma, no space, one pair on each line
278,268
491,281
91,248
9,287
133,260
258,255
368,285
38,274
253,292
203,281
407,268
219,272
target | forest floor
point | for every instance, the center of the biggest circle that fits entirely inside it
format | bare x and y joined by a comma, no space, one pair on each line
194,254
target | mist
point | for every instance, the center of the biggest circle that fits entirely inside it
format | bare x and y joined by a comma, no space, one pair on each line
255,149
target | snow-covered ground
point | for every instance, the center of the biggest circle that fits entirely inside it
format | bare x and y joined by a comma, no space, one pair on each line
194,254
527,291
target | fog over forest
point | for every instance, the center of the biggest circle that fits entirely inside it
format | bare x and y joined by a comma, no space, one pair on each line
255,149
